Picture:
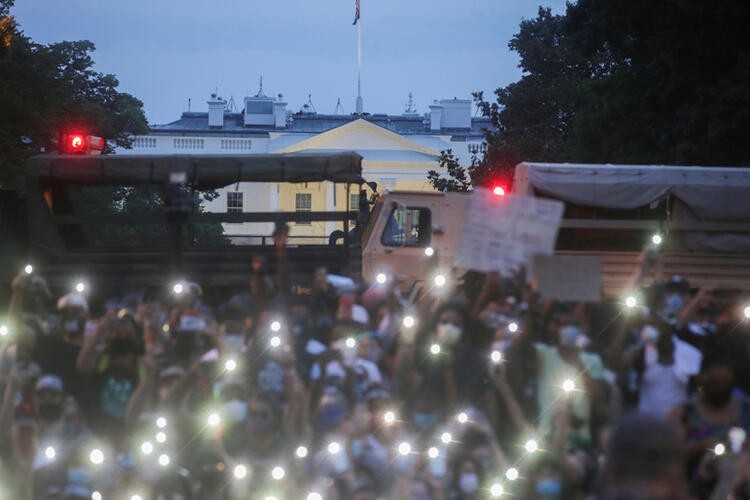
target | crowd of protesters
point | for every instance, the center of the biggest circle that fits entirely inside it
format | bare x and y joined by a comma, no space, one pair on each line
478,388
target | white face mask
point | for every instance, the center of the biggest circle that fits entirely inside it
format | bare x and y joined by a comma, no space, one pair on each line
235,410
468,482
448,333
649,334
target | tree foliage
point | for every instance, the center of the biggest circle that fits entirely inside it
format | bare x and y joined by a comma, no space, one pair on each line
47,88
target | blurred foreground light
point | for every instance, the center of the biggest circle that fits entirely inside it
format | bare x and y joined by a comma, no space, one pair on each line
178,288
439,280
278,473
136,497
435,348
275,326
429,251
409,321
161,437
96,456
314,496
214,420
747,312
496,357
462,417
568,385
512,327
446,437
656,239
161,422
719,449
96,496
511,474
230,365
531,446
301,452
630,301
498,191
80,287
50,452
28,269
147,448
240,471
381,278
404,448
3,330
334,448
433,452
496,490
275,341
389,417
350,343
163,459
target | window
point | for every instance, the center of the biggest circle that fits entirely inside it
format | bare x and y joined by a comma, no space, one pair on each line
234,201
303,203
354,201
408,227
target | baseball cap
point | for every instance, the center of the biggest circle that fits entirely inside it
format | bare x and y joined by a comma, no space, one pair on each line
49,383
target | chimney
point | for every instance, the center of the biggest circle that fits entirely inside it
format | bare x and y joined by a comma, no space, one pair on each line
456,113
279,112
436,115
216,107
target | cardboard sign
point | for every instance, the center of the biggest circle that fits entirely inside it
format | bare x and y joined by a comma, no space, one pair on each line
502,233
568,278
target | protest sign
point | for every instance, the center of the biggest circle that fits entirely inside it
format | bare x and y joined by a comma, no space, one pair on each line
568,278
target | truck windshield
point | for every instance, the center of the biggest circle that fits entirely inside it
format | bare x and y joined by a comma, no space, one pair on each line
409,227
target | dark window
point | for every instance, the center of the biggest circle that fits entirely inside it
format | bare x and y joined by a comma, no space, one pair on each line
234,201
408,227
303,203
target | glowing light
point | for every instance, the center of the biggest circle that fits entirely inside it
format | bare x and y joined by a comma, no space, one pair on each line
389,417
163,460
334,448
496,357
96,496
496,490
275,341
161,422
314,496
446,437
240,471
278,473
96,456
28,269
350,343
513,327
531,446
435,349
409,321
568,385
511,474
214,420
136,497
498,191
161,437
275,326
381,278
147,448
271,498
3,330
165,328
719,449
747,312
178,288
80,287
50,452
631,301
439,280
462,418
656,239
429,251
301,452
230,365
404,448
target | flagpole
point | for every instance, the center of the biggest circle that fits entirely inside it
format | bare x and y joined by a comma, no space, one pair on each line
359,65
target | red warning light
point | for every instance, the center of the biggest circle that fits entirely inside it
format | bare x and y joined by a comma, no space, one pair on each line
80,144
77,143
498,191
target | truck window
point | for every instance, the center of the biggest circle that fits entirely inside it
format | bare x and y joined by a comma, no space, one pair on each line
410,227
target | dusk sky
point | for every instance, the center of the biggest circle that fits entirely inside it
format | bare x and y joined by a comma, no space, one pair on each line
166,51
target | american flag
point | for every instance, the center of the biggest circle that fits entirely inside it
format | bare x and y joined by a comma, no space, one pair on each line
356,12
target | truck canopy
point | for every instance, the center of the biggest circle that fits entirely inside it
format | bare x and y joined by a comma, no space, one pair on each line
711,193
201,171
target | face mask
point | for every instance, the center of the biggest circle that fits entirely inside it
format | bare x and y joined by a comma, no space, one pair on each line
74,326
649,334
673,303
235,410
468,482
357,448
50,412
549,488
448,333
425,421
573,337
330,417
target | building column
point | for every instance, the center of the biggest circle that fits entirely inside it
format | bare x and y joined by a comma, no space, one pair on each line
330,207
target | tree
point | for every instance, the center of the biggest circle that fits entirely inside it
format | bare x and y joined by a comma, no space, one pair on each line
46,88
